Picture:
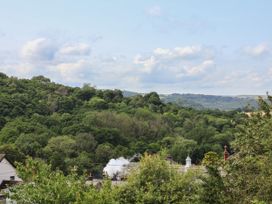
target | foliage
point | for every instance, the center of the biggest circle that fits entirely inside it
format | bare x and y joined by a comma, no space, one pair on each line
69,126
249,172
77,130
43,186
104,195
156,181
213,189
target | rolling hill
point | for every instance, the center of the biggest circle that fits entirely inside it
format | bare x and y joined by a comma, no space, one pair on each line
201,101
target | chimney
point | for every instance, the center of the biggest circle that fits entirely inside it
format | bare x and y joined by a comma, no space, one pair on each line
226,153
188,162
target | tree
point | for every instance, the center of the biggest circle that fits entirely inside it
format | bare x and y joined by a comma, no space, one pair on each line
182,148
105,195
153,98
3,76
156,181
60,150
34,113
113,95
85,142
213,186
43,186
97,103
41,79
85,93
104,152
31,144
109,135
13,129
12,153
249,170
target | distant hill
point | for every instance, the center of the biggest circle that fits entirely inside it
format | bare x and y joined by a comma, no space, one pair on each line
130,93
201,101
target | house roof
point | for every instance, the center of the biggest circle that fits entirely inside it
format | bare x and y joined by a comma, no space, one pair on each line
2,156
6,183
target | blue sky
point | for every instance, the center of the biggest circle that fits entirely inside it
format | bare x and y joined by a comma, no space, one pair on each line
209,47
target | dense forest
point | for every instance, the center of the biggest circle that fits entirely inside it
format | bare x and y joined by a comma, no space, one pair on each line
85,127
56,134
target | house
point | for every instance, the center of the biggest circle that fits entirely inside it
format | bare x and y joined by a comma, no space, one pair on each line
8,175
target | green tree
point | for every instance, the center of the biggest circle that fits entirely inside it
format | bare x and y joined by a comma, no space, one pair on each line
213,186
43,186
105,195
104,152
86,92
249,170
85,142
182,148
12,153
156,181
32,144
97,103
59,151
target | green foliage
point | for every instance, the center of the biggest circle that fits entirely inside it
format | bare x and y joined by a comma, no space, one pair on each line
181,148
103,152
43,186
105,195
211,161
69,126
80,129
97,103
213,189
12,153
156,181
249,171
85,93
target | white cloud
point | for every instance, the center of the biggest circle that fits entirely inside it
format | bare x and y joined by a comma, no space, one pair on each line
154,11
44,50
270,72
40,49
180,61
182,68
14,69
66,62
258,50
73,71
148,64
162,51
254,77
198,69
188,51
246,80
76,49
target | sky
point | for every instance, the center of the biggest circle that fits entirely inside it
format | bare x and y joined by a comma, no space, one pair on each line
171,46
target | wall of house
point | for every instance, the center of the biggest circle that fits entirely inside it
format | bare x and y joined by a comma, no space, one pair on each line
7,170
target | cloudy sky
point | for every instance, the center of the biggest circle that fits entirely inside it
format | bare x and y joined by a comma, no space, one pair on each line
196,46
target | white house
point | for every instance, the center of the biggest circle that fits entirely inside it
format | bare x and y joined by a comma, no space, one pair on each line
8,173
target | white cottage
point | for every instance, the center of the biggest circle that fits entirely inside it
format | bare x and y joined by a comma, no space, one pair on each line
8,175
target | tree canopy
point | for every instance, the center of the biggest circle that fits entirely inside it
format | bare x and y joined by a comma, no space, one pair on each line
69,126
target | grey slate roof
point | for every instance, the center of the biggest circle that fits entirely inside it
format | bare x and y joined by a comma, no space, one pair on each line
2,156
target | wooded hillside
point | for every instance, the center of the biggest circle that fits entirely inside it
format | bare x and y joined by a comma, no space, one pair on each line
85,127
